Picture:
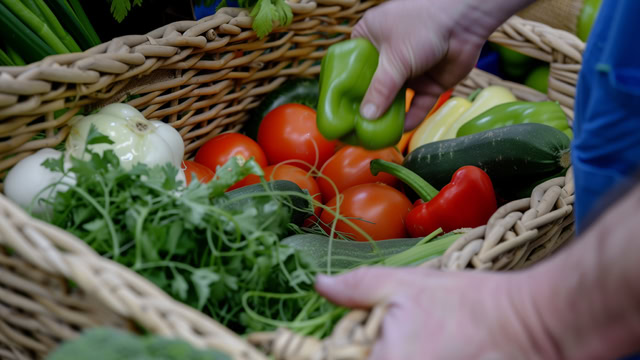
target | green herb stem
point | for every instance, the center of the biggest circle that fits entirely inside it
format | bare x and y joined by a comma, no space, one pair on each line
141,217
299,325
56,27
15,57
5,60
66,16
425,190
84,20
36,24
421,253
31,4
164,264
107,219
30,47
430,237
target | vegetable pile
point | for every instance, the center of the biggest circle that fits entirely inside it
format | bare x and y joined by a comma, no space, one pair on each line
217,238
240,231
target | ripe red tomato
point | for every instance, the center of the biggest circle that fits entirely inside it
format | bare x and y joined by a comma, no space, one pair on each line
290,132
202,173
350,166
378,209
292,173
217,151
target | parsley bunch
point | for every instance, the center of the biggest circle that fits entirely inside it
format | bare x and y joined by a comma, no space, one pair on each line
193,242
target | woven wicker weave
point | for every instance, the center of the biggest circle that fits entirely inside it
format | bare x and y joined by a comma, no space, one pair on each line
559,14
202,77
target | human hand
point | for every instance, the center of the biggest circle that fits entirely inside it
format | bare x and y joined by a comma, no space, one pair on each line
431,43
445,315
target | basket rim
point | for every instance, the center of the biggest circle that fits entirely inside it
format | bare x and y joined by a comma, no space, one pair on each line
122,54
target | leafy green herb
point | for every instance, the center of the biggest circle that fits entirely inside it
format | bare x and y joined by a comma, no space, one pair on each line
220,254
265,13
112,344
120,8
95,137
193,242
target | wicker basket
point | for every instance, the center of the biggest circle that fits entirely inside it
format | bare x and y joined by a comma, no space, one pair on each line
202,78
559,14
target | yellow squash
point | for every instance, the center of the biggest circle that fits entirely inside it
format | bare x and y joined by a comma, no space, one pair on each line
485,100
435,126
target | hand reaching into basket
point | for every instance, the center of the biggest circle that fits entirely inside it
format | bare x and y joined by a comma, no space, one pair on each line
443,316
431,43
583,303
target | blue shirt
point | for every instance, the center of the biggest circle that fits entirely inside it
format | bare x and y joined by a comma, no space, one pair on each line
606,147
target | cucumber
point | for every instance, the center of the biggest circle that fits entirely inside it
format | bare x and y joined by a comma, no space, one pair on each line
346,254
299,205
303,91
514,156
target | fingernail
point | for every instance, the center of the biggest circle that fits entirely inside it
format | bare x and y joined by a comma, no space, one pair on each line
324,280
369,111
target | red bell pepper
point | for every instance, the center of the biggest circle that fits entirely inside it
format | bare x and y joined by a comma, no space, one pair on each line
467,201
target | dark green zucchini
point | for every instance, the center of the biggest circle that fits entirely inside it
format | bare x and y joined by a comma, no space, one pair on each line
516,191
299,204
514,157
300,91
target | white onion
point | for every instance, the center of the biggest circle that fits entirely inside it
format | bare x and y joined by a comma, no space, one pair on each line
28,178
136,139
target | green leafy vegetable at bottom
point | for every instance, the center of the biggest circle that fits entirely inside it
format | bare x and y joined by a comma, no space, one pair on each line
112,344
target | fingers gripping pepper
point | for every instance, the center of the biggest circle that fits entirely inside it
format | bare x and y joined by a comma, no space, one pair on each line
346,72
467,201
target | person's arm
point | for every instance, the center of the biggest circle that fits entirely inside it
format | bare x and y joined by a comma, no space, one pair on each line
588,296
429,45
583,303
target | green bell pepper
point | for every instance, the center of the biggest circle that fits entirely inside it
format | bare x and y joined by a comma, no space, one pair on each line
518,112
513,64
588,15
345,75
539,79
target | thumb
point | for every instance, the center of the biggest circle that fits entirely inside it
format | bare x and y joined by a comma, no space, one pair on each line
419,109
388,79
361,288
